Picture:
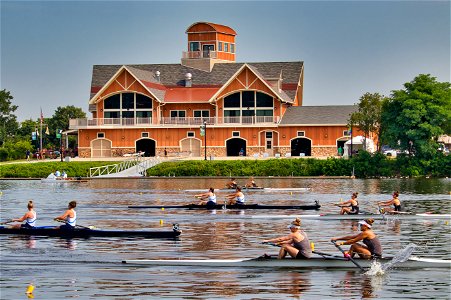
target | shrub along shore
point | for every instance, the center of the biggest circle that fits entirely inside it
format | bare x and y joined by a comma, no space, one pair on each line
363,165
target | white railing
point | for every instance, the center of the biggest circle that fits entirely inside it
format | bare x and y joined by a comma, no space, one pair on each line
139,163
199,54
168,121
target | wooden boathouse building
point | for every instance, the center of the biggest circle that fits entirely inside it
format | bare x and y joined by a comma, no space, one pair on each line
250,108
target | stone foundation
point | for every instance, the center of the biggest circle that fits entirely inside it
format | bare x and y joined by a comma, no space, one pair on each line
84,153
115,152
324,151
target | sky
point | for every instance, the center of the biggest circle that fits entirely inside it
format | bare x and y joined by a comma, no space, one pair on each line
48,48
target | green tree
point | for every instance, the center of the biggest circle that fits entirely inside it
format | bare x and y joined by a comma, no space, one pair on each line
26,128
413,118
368,116
60,120
8,120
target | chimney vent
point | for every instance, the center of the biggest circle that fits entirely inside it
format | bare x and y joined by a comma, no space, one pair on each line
157,76
188,80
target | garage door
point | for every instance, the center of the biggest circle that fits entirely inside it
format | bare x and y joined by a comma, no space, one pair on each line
101,148
190,146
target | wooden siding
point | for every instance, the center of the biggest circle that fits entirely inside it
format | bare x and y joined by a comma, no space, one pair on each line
217,137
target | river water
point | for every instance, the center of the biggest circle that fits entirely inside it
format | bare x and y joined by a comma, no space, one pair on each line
92,269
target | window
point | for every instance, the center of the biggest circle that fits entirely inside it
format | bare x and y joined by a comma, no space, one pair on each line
144,134
128,105
264,100
143,114
346,133
264,112
112,102
128,101
201,113
235,133
194,46
232,100
100,135
268,134
226,47
231,113
232,48
178,114
219,46
143,102
301,133
190,134
248,99
111,114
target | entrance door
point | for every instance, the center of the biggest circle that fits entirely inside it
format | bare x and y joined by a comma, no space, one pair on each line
269,143
191,146
206,49
236,147
301,145
101,148
147,146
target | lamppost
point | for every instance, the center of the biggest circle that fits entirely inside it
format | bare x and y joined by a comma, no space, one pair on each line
205,139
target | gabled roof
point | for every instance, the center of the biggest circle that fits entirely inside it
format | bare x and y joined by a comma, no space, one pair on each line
173,75
318,115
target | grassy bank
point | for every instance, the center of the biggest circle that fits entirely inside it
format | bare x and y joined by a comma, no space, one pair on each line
363,165
43,169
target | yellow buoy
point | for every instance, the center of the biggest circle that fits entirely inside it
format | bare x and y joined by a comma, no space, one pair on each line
161,222
312,246
446,222
162,208
30,289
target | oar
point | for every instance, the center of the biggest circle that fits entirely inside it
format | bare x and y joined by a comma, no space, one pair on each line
323,254
6,222
79,226
348,256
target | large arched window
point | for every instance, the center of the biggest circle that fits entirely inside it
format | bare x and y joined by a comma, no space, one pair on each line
248,107
128,109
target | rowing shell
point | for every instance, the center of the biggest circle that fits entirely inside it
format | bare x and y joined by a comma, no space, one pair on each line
316,262
358,217
54,231
255,189
235,206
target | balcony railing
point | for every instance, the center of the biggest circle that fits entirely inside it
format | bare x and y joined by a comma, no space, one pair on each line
168,121
199,54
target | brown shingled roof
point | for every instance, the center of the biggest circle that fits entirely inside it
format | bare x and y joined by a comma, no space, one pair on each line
318,115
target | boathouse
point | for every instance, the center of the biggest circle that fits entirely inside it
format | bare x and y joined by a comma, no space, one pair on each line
207,104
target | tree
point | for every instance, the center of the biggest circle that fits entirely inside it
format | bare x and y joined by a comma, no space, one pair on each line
26,128
60,120
368,116
8,120
414,118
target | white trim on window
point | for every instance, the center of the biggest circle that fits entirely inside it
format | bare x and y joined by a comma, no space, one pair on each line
301,134
235,133
145,134
100,135
190,134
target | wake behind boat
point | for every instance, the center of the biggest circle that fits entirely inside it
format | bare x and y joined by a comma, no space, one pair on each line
86,232
419,216
336,262
60,180
234,206
255,189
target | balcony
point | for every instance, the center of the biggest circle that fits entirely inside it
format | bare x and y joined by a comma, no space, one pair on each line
198,54
171,122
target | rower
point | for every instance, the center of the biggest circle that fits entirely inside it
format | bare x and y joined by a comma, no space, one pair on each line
296,243
29,217
394,201
209,198
372,246
231,184
350,207
69,217
251,183
236,198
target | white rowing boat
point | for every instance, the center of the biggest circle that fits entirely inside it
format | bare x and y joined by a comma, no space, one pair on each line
254,189
359,217
316,262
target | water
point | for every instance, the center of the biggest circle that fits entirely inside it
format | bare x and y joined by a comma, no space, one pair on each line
92,269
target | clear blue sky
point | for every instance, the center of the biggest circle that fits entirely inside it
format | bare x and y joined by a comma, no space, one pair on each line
348,47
